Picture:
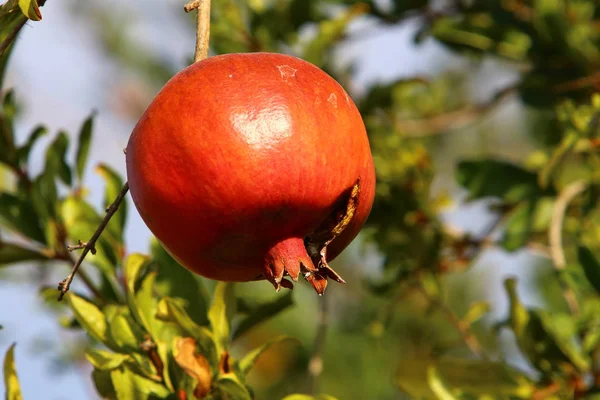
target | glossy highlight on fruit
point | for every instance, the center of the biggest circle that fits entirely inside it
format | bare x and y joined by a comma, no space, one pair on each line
252,166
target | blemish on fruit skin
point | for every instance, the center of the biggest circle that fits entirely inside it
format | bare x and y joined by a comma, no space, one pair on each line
333,99
231,75
286,72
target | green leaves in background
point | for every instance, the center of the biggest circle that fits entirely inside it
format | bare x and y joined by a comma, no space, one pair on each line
13,253
11,381
453,377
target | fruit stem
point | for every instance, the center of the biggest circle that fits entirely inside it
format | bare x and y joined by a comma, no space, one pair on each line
202,27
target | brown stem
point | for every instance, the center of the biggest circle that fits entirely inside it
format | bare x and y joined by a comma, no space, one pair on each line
66,283
315,364
202,27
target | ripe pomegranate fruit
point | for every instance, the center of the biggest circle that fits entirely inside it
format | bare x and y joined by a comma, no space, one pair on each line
252,166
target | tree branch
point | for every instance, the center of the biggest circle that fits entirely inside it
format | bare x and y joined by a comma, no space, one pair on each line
557,253
202,27
90,245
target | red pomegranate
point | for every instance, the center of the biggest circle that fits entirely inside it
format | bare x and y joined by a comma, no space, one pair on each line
252,166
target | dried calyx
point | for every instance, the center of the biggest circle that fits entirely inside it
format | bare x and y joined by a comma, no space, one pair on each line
308,256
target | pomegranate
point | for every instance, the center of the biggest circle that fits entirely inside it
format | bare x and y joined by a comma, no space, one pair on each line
252,166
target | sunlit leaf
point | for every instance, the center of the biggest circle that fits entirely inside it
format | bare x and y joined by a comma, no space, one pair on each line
123,330
194,364
170,310
105,360
11,381
220,314
248,361
89,317
438,386
83,145
30,9
128,385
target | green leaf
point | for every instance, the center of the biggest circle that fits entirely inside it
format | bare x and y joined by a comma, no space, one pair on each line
81,221
114,184
30,9
44,196
56,163
590,265
13,253
231,389
248,361
173,280
11,22
24,151
128,386
89,317
11,381
496,178
263,312
169,310
105,360
518,226
8,152
103,384
83,145
472,377
438,386
123,331
221,313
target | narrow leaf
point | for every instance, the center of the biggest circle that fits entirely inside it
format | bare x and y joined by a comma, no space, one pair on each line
11,381
83,145
30,9
56,163
24,151
13,253
105,360
220,314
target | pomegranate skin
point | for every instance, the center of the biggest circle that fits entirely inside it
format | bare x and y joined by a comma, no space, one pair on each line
241,156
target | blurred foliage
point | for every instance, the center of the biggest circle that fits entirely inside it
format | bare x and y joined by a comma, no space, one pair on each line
407,331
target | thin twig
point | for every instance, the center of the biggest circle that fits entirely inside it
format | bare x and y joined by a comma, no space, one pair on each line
452,120
464,329
557,253
315,364
66,283
202,27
